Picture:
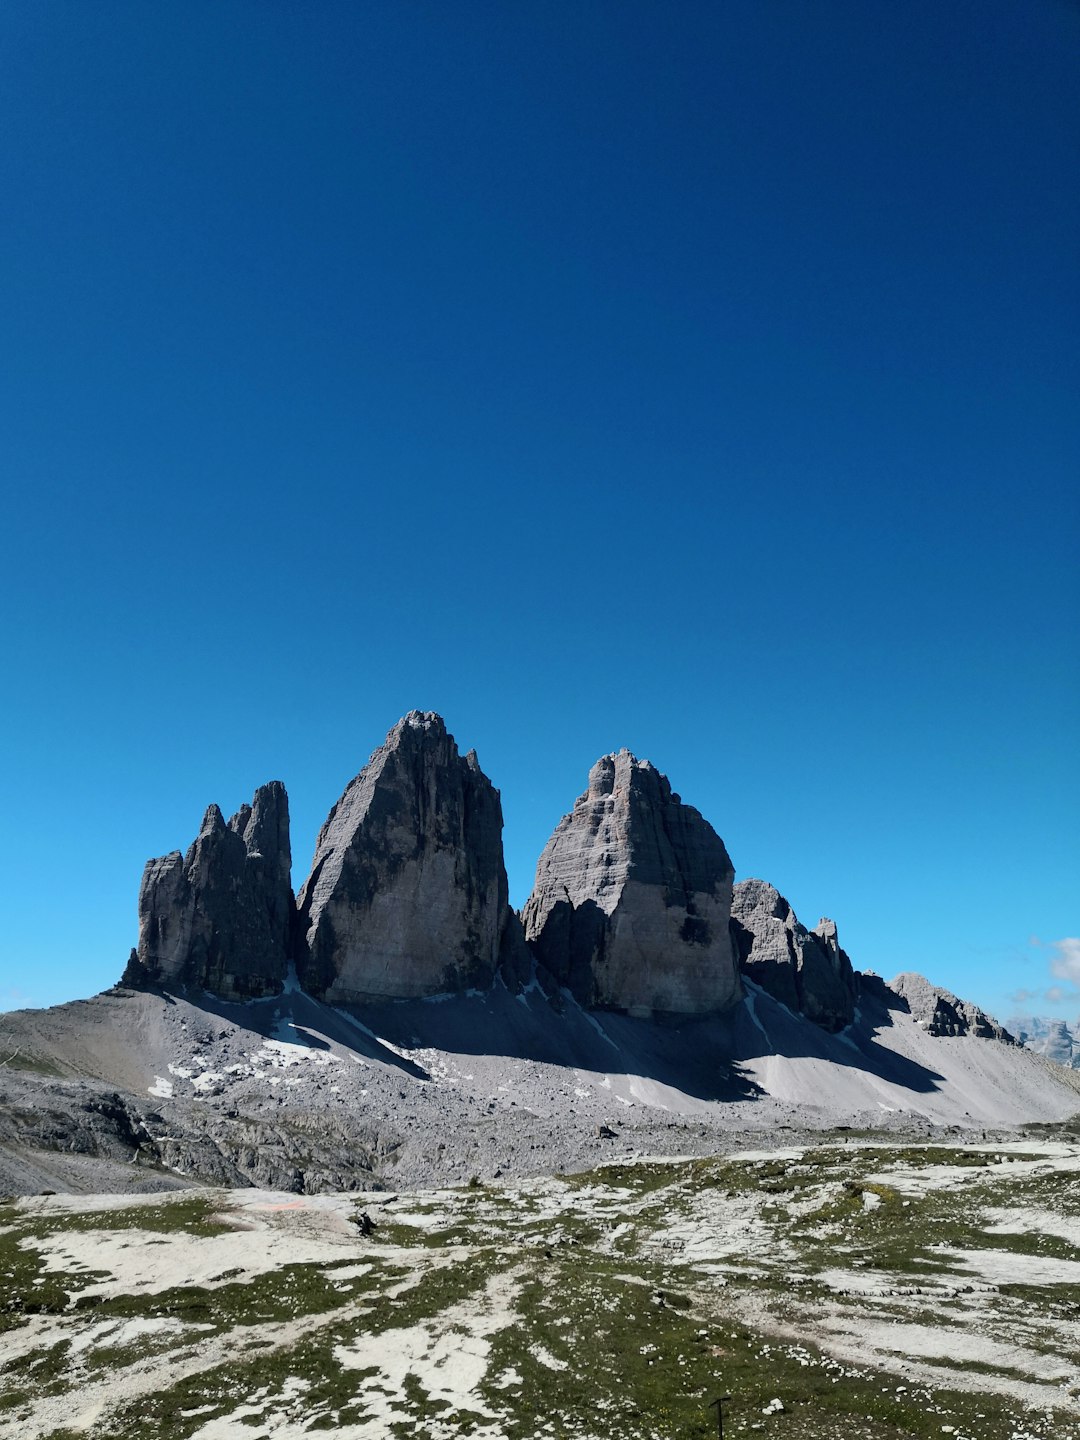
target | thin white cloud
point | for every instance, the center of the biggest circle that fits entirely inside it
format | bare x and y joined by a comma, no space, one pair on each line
1066,962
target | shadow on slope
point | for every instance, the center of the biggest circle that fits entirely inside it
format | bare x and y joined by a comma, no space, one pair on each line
495,1024
116,1037
709,1058
774,1030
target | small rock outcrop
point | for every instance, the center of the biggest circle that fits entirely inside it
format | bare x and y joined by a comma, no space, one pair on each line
940,1012
407,894
806,970
220,918
630,909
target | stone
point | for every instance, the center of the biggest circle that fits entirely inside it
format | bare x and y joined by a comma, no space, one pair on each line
632,900
407,895
221,917
806,970
940,1012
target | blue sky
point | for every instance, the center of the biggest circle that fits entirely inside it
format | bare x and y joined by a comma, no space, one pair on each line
700,379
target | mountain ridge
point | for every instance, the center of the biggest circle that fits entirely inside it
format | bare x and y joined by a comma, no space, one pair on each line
299,1072
144,1089
634,908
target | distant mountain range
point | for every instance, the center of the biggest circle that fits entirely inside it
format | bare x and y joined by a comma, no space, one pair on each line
1056,1039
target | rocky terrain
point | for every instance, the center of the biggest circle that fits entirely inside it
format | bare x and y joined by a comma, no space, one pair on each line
401,1025
939,1012
138,1089
221,918
805,970
844,1290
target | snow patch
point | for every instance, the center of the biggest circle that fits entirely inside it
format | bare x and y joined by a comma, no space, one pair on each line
545,1357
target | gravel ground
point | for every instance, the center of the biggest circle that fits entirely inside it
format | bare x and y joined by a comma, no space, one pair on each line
137,1091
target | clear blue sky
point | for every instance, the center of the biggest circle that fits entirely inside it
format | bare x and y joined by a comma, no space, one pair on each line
698,378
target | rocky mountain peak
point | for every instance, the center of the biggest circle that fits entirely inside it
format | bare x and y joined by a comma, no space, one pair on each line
632,898
826,932
417,726
212,822
805,970
1061,1044
407,894
220,918
634,906
622,771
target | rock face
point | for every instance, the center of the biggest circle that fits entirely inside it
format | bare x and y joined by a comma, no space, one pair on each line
1053,1038
939,1012
407,894
805,970
220,918
632,899
1059,1045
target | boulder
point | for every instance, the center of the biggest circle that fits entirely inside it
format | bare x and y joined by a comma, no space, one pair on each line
220,918
407,894
631,906
806,970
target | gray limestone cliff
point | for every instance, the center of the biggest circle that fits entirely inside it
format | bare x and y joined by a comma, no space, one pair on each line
632,900
806,970
220,918
940,1012
407,894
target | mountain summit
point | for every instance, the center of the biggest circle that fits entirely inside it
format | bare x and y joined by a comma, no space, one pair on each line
634,907
221,917
631,907
803,969
407,894
647,1003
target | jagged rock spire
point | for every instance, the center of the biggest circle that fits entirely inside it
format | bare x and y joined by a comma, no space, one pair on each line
805,970
220,918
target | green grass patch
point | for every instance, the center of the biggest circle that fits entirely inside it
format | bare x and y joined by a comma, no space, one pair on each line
599,1344
34,1064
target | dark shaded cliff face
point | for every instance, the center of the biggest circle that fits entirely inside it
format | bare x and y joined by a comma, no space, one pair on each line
407,894
632,900
805,970
221,917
